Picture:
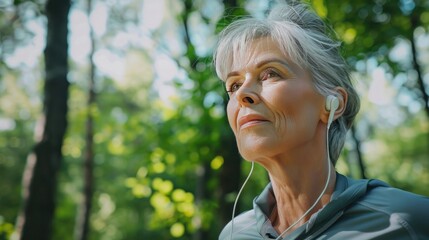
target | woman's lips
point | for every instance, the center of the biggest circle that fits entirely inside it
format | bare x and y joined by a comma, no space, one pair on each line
251,120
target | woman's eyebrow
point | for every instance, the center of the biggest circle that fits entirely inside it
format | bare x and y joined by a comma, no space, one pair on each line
232,74
274,60
262,63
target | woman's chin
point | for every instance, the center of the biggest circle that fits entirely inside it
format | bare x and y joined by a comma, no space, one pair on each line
253,150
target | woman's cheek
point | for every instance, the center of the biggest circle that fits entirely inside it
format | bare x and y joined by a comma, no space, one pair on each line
231,111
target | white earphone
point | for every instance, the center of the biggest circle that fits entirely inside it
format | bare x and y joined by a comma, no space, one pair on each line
331,105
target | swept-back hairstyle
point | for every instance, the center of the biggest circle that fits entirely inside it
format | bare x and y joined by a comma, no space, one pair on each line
302,36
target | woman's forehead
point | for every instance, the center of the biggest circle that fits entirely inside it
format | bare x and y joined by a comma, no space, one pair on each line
258,52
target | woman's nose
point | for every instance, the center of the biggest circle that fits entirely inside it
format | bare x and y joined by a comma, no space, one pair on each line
247,93
249,100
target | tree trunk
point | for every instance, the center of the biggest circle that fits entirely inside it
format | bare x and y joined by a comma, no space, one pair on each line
82,221
229,177
416,65
201,193
40,175
358,153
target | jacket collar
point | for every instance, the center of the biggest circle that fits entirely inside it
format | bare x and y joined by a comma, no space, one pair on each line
347,191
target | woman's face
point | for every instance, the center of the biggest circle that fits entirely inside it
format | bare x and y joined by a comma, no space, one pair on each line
274,108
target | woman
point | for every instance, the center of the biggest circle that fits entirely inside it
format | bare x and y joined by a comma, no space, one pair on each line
287,84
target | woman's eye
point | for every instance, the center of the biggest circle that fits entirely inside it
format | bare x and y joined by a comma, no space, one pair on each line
269,73
233,88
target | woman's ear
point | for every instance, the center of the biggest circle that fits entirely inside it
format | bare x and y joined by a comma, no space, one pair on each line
341,95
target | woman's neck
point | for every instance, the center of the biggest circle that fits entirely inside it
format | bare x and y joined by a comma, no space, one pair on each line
294,197
299,177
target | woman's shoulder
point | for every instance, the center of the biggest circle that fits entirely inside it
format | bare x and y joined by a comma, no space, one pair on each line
407,209
392,200
380,196
244,227
382,210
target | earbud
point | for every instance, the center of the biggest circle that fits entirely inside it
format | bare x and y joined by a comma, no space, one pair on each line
331,105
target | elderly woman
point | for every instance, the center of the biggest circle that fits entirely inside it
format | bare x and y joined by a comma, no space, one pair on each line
291,104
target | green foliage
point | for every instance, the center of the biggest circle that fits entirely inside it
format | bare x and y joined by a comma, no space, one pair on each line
6,229
158,159
18,109
402,161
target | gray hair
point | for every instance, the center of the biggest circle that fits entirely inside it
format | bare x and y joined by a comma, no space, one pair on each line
304,37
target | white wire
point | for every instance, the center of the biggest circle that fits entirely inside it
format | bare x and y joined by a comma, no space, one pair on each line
321,194
236,199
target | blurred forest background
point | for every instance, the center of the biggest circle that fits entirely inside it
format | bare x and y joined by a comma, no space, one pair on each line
112,121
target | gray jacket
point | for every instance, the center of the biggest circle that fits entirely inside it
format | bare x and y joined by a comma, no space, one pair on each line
359,209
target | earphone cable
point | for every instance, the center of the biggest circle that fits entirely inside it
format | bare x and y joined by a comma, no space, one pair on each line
238,196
